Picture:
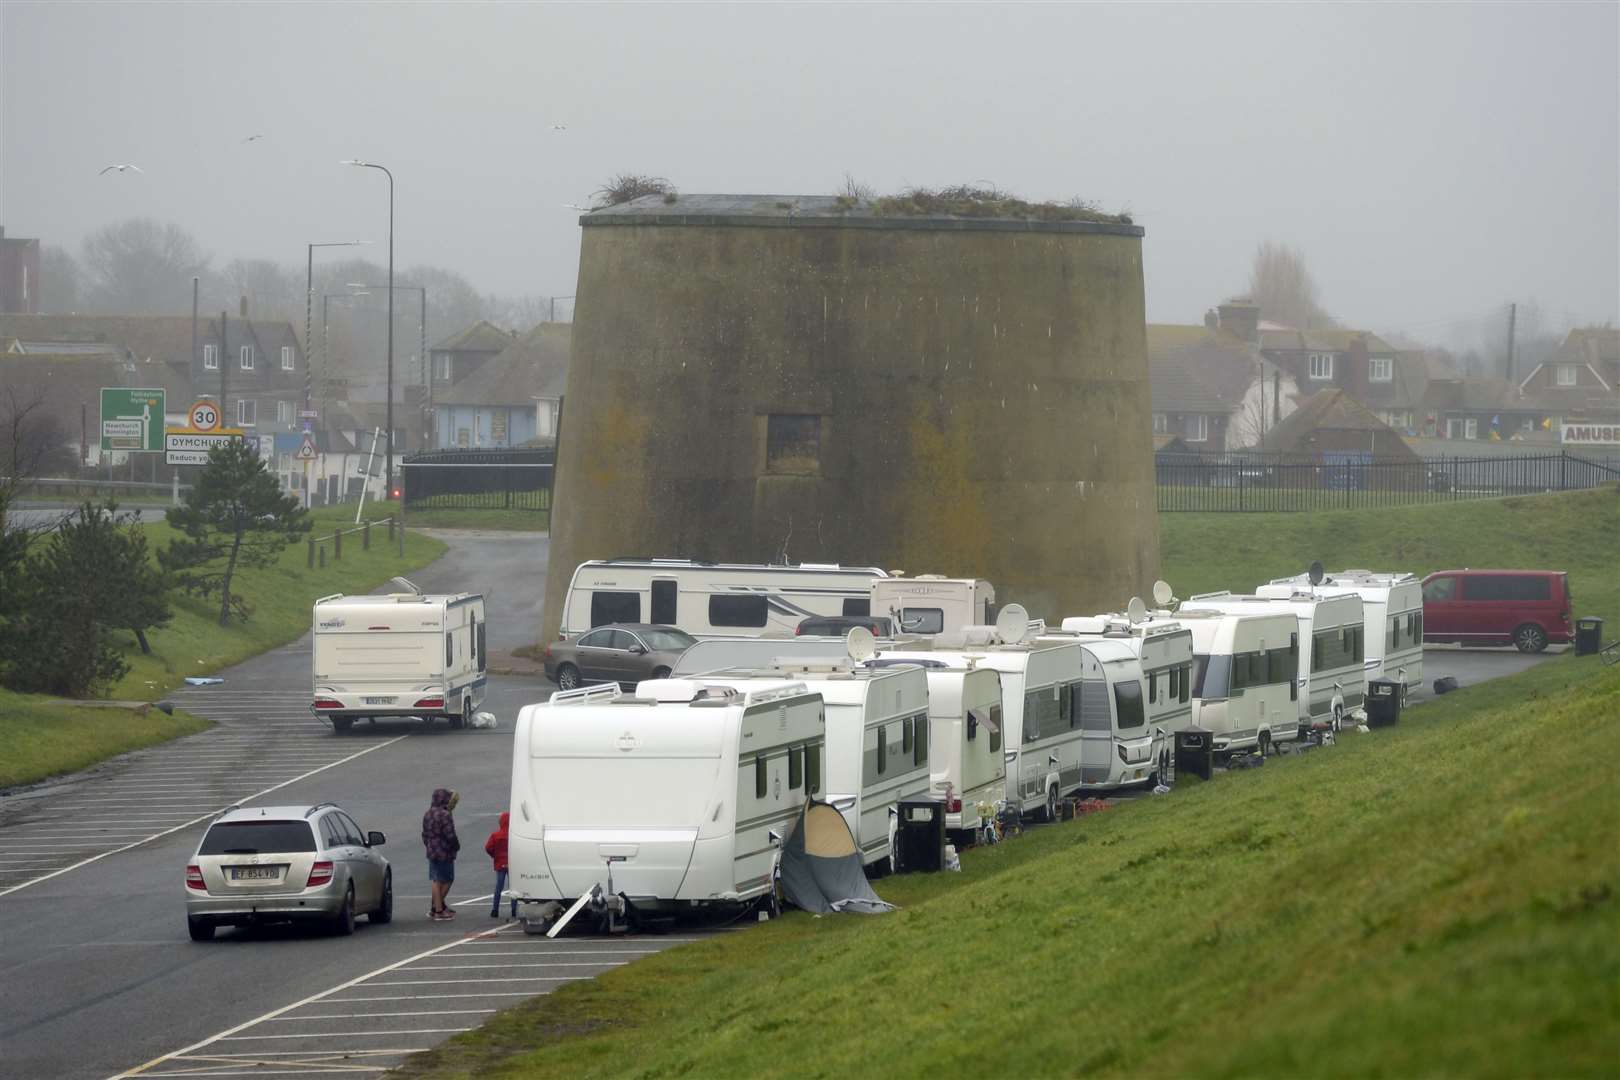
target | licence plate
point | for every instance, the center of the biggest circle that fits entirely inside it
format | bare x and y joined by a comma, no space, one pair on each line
255,873
380,700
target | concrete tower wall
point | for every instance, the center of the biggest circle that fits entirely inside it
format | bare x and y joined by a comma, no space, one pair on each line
967,398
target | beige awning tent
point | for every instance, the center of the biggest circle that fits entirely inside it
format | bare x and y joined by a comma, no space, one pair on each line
821,866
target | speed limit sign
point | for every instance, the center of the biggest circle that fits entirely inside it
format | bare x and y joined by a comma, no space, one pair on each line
204,416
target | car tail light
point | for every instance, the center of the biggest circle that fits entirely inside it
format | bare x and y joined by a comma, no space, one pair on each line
319,874
194,879
953,805
430,703
327,703
797,630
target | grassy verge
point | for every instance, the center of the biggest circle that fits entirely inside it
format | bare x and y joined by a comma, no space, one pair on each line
281,595
1432,899
44,738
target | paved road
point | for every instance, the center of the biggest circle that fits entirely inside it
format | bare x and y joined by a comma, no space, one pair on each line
96,972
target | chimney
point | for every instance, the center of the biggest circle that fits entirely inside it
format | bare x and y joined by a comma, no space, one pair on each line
243,311
1241,316
1212,321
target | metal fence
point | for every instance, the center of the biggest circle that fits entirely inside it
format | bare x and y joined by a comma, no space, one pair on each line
493,479
1259,482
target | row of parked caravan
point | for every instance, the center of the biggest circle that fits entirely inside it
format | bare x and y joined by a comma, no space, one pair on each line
681,792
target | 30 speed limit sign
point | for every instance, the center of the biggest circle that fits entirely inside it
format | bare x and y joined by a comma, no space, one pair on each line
204,416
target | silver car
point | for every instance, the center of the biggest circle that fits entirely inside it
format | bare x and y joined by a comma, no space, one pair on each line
287,864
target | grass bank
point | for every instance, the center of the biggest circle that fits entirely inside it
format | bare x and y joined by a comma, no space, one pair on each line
44,737
1442,898
281,596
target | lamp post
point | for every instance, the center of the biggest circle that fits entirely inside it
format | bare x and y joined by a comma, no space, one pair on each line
421,330
309,312
389,444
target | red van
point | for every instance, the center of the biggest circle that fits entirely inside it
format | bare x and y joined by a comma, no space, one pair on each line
1527,608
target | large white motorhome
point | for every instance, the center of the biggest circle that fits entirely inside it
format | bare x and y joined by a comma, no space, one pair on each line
933,604
1165,650
400,655
1391,611
713,599
1243,679
681,793
878,740
1039,692
1332,681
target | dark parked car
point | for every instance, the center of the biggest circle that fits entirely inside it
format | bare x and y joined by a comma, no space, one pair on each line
839,625
623,653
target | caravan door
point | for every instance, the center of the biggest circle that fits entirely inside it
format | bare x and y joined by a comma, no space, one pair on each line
1096,727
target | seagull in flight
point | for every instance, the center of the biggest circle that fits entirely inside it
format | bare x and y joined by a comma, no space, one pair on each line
120,168
250,138
559,127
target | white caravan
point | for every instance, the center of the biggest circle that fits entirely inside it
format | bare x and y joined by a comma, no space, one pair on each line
1041,733
933,604
1243,681
877,738
721,654
712,599
1391,611
679,794
965,720
1164,648
398,655
1332,682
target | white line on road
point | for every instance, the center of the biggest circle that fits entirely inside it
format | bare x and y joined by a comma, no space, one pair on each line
438,997
507,967
346,1034
491,980
202,817
371,1016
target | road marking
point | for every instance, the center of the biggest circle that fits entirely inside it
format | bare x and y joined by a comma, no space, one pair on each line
231,1032
317,1069
490,980
372,1016
437,997
504,967
347,1034
560,952
201,817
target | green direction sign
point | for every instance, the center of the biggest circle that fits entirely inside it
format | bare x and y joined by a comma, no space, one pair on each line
132,420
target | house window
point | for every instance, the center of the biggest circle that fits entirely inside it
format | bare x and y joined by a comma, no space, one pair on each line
247,358
1471,428
1566,375
1321,365
284,412
247,412
1197,428
441,368
1381,369
211,357
1161,424
793,444
286,358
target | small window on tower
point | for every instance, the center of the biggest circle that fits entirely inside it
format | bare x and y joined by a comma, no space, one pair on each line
793,444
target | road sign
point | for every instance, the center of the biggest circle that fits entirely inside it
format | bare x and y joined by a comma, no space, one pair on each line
308,414
131,420
204,416
306,450
183,446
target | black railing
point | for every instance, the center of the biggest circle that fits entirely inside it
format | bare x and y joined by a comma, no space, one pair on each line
494,479
1237,481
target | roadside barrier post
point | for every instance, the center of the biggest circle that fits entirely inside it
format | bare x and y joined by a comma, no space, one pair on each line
390,527
323,556
312,553
337,545
365,536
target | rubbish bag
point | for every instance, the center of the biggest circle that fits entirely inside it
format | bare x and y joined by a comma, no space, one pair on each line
821,866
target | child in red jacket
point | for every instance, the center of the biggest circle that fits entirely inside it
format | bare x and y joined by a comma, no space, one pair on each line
496,847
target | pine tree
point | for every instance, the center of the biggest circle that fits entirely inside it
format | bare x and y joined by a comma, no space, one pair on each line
234,516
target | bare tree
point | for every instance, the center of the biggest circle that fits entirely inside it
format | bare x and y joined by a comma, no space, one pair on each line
140,266
272,290
32,443
59,281
1282,285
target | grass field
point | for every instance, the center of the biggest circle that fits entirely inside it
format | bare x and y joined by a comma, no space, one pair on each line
46,738
281,596
1442,898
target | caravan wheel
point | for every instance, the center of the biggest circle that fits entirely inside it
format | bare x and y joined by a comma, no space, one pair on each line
466,711
1049,812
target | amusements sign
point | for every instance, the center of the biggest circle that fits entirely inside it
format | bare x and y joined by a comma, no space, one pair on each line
1592,434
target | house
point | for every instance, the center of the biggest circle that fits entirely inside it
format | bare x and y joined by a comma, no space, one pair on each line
19,275
514,398
1210,386
1333,423
1581,380
460,355
1356,361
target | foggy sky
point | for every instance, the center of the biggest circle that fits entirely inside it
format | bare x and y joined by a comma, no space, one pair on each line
1432,161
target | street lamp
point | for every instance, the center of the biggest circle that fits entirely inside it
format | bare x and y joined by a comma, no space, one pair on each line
421,329
309,311
390,411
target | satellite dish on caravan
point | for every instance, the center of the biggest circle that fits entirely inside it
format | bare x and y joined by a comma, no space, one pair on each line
1162,594
860,644
1136,611
1316,573
1012,623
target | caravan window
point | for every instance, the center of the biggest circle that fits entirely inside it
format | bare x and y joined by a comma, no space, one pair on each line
745,610
483,657
1186,682
1210,676
857,607
882,748
1068,708
449,649
759,777
994,722
1153,688
1094,705
922,620
1281,666
663,602
612,607
472,636
812,769
919,748
795,768
1128,703
907,734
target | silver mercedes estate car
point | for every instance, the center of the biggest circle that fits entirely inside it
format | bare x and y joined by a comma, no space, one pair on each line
287,864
